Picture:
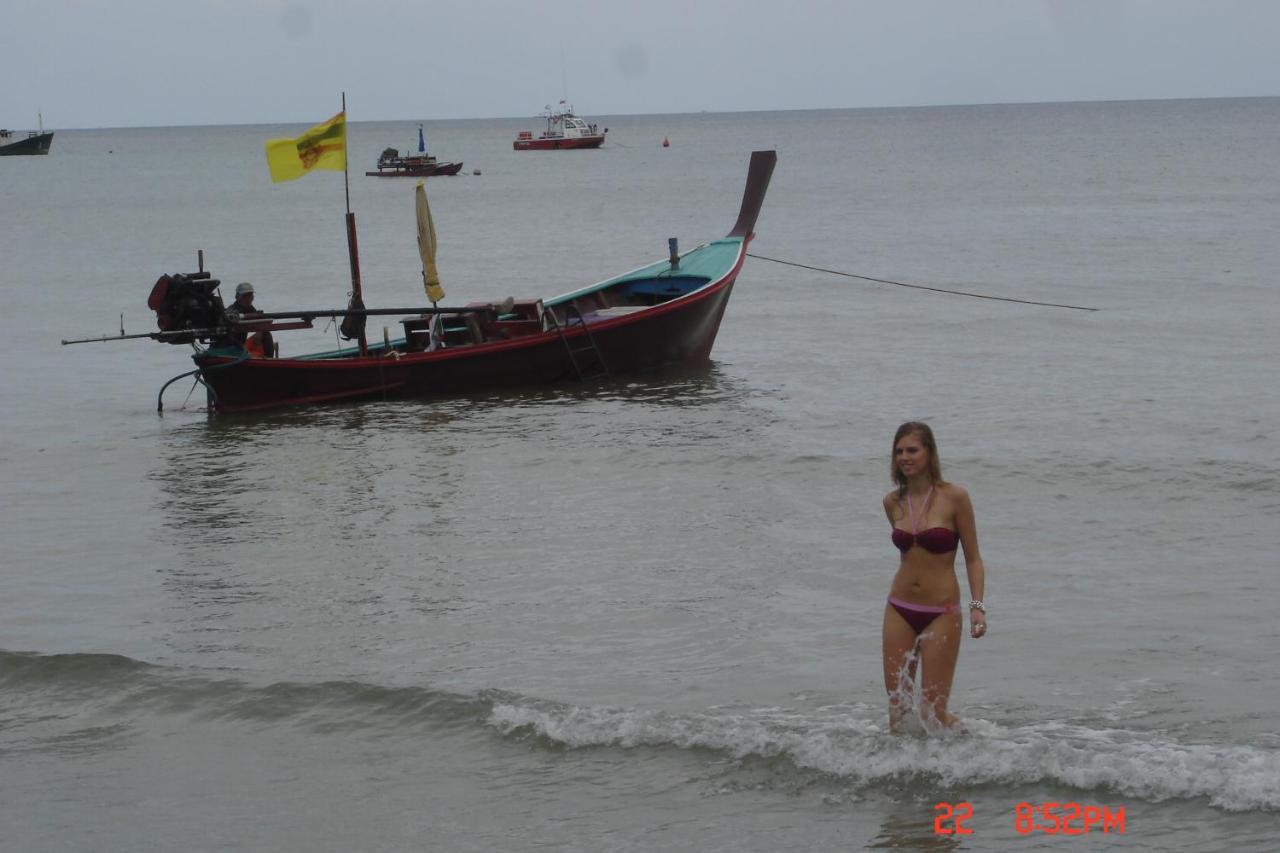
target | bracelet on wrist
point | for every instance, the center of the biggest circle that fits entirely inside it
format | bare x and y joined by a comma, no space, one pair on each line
978,605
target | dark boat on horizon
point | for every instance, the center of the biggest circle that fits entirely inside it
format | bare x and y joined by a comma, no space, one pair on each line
663,313
393,164
35,142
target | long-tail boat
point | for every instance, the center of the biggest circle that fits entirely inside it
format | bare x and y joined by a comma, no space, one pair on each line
664,313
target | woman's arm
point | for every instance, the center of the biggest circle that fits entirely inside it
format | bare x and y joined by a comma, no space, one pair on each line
967,527
889,502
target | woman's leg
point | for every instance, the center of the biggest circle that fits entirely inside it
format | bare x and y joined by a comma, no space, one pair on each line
899,665
939,650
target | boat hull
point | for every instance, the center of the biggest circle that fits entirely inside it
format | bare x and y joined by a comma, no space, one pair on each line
682,331
36,143
418,171
555,144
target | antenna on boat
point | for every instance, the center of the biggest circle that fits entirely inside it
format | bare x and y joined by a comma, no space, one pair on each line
564,79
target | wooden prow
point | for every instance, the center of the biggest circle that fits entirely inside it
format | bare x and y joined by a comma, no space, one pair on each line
758,174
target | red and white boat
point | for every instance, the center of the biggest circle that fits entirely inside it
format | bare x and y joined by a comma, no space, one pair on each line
564,130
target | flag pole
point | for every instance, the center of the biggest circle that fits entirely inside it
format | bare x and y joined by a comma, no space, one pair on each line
353,249
346,179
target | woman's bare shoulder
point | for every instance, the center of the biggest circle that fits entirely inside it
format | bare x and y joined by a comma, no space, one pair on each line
954,492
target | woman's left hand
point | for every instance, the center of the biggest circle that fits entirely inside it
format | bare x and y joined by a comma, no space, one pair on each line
977,624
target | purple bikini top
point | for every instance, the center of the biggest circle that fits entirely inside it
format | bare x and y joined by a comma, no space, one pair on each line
935,540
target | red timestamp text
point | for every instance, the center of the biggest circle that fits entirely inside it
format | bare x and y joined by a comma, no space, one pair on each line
1066,819
950,819
1050,818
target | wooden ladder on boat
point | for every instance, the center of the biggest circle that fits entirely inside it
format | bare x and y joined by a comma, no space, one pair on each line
594,365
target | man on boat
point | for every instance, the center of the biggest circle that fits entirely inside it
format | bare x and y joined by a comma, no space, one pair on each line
259,344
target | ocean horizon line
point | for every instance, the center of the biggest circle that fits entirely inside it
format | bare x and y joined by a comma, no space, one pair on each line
600,116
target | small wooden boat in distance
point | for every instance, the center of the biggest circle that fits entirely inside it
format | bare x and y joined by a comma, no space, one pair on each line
393,164
663,313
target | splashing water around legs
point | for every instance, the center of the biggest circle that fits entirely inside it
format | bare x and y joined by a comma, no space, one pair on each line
902,691
934,653
900,663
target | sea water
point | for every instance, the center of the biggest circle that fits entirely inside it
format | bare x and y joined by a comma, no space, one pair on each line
645,614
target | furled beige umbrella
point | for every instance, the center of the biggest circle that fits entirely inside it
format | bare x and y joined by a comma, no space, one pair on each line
427,246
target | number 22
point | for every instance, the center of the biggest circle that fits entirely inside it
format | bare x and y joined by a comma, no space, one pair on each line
960,813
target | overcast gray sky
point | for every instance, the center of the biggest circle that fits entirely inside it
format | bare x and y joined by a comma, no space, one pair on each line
125,63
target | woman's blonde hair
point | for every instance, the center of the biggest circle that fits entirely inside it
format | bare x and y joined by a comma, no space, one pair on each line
926,438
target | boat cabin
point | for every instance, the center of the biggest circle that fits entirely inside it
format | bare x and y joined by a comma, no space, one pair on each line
575,127
565,125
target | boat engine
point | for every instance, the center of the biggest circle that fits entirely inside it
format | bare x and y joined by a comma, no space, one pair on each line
186,301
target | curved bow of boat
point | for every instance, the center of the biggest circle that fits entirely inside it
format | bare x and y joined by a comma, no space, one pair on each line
758,175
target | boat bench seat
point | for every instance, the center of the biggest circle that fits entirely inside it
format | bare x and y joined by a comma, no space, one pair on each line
461,329
523,318
454,329
417,332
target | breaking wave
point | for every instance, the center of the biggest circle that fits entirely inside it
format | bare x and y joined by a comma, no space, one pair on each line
844,742
96,698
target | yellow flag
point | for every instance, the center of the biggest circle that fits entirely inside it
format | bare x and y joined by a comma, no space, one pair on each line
322,147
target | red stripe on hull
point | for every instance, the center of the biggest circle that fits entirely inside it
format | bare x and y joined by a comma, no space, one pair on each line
557,144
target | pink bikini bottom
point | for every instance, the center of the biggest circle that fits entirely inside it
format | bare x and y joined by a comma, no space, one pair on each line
919,616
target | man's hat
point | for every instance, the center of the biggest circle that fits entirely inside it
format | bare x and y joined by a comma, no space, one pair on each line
243,287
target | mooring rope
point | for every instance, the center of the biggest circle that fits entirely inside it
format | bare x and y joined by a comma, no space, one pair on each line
921,286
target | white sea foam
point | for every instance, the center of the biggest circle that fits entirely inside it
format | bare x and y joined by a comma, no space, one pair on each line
846,743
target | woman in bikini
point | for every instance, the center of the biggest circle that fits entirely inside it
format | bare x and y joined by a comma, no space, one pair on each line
922,620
